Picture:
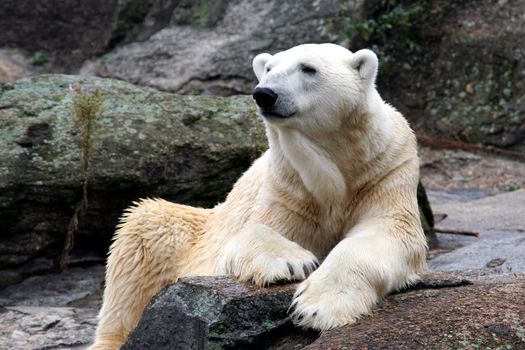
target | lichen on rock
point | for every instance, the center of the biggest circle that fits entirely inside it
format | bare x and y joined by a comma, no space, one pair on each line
188,149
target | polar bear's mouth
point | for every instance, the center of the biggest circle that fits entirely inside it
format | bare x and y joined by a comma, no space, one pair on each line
274,115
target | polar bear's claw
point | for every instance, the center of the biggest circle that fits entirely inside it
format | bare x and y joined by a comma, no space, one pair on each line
278,270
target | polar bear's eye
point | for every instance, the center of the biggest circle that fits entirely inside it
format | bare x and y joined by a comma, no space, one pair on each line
268,69
308,69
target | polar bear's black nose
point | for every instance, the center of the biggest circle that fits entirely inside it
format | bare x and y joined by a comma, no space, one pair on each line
265,97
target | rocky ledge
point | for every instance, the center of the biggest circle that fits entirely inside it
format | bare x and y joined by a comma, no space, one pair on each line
219,313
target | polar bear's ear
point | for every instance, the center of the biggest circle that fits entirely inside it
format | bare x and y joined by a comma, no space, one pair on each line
366,63
258,64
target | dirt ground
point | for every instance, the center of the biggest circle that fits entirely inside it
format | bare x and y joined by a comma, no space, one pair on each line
480,174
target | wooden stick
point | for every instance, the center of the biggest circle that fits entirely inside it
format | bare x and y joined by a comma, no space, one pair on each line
456,232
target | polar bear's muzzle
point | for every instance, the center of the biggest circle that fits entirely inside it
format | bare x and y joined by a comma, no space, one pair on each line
270,105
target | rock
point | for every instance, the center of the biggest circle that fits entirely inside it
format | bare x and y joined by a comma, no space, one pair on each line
501,212
477,257
46,264
19,248
215,313
74,287
501,243
13,65
482,174
52,311
441,63
207,46
187,149
452,67
482,96
68,32
33,327
220,313
471,317
36,266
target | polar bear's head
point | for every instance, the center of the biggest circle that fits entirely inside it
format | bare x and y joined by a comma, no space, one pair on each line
314,85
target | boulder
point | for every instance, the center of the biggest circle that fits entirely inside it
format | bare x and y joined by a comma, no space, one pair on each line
206,47
52,311
452,67
475,91
146,143
217,313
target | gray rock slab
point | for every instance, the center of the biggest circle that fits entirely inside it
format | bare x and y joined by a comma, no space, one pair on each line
43,327
498,253
74,287
52,311
465,86
67,32
500,221
501,212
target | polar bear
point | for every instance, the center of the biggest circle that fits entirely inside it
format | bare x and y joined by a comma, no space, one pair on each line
332,203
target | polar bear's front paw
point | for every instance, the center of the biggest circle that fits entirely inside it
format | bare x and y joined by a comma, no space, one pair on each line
323,302
265,270
263,257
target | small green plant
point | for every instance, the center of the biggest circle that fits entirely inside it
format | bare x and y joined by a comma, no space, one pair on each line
87,106
513,187
38,59
396,27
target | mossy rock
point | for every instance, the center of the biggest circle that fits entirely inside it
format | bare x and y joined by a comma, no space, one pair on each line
452,67
146,143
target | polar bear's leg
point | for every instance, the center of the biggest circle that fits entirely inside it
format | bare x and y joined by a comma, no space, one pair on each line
372,261
143,259
260,255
